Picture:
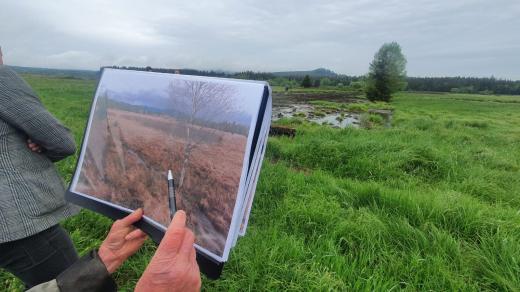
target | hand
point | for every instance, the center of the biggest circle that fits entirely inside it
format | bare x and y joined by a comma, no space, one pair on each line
33,146
174,266
122,241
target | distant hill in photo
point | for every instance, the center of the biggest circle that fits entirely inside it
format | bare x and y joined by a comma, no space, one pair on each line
320,72
157,103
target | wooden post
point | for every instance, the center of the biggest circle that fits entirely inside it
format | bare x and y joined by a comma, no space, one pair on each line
1,57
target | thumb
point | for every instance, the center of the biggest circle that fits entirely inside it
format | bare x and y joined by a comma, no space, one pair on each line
174,236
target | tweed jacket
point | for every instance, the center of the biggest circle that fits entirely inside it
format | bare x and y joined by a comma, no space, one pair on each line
31,190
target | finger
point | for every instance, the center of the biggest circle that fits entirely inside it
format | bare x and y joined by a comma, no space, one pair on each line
172,240
132,218
136,243
185,252
193,255
133,246
178,221
135,234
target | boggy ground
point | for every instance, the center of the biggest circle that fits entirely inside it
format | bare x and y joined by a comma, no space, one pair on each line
128,158
429,204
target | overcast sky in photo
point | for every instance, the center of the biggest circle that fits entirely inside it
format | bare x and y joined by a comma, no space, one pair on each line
438,37
147,88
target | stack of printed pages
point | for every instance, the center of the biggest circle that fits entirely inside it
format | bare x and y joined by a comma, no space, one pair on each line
167,142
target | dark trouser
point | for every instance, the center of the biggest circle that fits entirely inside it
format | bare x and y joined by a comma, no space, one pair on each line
38,258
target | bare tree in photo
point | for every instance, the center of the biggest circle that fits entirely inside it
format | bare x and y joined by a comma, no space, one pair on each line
203,101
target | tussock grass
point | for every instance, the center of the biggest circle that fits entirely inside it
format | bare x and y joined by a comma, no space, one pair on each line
429,204
357,107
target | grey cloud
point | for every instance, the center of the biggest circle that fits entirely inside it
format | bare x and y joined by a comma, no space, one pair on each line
472,37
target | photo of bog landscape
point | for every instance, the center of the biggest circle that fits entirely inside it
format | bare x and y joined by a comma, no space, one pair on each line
144,124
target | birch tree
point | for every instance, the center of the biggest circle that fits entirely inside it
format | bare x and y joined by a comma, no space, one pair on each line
202,101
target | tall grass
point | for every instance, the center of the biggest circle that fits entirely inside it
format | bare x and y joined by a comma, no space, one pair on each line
429,204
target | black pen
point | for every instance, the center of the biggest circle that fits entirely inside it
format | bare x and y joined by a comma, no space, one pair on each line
171,194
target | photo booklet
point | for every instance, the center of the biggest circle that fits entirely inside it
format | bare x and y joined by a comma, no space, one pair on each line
166,142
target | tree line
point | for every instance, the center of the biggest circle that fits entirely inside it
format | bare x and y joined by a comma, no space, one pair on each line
457,84
489,85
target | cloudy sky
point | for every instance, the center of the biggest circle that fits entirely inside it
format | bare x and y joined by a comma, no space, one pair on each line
438,37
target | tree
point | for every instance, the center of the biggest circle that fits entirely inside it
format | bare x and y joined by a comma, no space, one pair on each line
387,73
201,99
306,83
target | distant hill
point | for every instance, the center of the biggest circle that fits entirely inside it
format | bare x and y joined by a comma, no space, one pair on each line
320,72
66,73
89,74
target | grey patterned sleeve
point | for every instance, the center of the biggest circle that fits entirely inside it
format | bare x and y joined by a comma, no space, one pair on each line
21,108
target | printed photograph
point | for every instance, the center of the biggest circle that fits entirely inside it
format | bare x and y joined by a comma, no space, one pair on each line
144,125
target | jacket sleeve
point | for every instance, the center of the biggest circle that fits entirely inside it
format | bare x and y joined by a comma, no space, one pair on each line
22,109
88,274
51,286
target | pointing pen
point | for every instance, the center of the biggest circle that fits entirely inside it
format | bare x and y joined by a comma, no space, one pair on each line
171,194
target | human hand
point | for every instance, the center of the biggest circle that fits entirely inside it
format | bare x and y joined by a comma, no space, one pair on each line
174,266
33,146
122,241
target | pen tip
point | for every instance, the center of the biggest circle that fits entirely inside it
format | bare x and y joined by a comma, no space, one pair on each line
170,176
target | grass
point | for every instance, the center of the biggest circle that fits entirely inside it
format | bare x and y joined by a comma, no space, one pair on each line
313,90
351,107
429,204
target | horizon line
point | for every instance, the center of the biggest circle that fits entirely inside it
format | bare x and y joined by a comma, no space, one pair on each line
249,70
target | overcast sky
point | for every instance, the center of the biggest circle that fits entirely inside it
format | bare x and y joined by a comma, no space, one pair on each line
439,37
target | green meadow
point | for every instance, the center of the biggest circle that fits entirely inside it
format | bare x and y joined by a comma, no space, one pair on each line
431,203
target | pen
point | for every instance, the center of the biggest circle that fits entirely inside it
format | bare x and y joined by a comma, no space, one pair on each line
171,194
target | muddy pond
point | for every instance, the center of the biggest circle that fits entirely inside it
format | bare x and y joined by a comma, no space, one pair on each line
312,114
298,105
302,105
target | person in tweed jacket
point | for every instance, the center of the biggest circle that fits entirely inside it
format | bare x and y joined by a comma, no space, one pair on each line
33,246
